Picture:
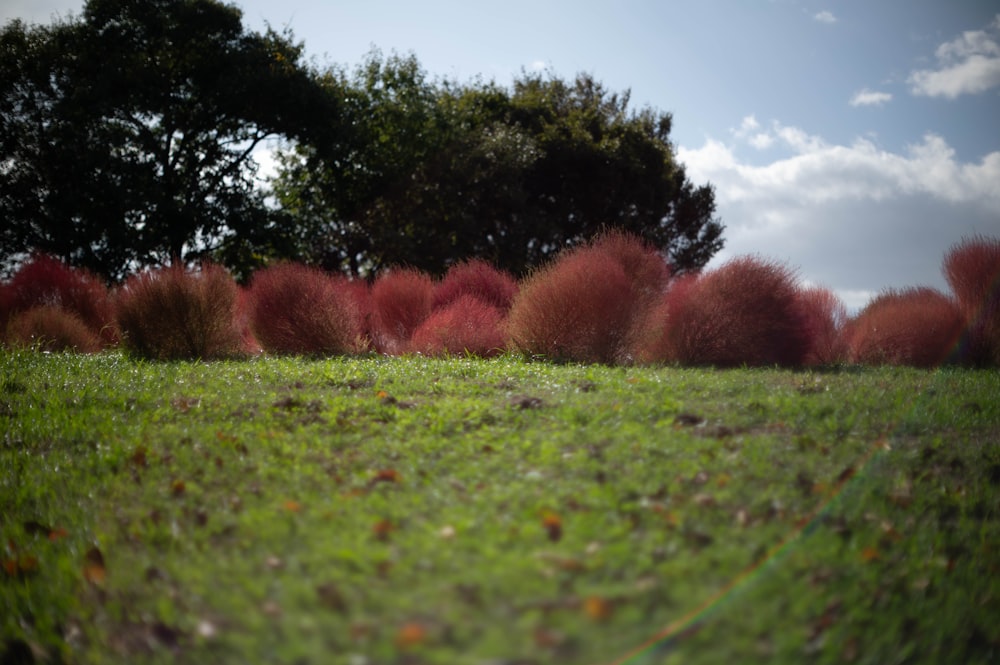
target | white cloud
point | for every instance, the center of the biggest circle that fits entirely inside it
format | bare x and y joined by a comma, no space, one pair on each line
868,97
855,218
825,17
968,64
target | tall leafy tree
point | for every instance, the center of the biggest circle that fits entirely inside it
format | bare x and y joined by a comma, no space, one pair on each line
441,172
127,134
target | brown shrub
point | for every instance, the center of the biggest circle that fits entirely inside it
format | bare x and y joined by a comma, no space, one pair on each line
173,314
746,312
916,326
51,328
972,269
466,326
45,280
401,300
479,279
295,309
579,307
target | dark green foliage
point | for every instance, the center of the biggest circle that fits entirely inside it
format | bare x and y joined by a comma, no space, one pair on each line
130,131
435,173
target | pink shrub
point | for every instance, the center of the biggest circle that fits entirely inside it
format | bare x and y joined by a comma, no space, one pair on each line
295,309
52,328
972,268
669,337
248,342
746,312
466,326
6,307
825,317
916,326
173,314
649,275
579,307
45,280
479,279
401,300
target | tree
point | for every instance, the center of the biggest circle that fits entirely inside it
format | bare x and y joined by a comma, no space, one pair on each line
443,172
127,135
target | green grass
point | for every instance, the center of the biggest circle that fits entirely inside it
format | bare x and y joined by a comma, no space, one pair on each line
380,510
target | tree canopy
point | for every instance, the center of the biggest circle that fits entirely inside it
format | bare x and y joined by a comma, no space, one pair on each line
127,133
127,138
439,172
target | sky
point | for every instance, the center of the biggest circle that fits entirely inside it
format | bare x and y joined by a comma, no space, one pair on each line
855,141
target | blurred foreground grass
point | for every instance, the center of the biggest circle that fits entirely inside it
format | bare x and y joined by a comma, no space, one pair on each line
381,510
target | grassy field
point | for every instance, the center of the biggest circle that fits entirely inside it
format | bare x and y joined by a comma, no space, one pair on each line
376,510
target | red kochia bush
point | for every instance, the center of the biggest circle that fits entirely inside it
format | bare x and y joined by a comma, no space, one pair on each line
466,326
916,326
825,317
6,307
172,313
579,307
296,309
401,300
972,268
649,275
746,312
45,280
479,279
52,328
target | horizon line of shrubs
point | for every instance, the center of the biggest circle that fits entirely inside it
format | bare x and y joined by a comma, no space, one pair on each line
612,300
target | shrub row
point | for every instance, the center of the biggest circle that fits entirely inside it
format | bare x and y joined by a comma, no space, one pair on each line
613,300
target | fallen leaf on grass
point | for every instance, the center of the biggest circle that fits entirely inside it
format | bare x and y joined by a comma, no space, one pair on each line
689,420
410,635
553,525
94,570
25,564
548,638
597,608
140,457
526,402
382,529
185,404
385,476
331,598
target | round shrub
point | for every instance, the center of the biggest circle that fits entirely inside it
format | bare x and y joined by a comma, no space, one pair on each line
479,279
972,269
746,312
51,328
825,318
401,300
45,280
295,309
175,314
466,326
917,326
578,308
